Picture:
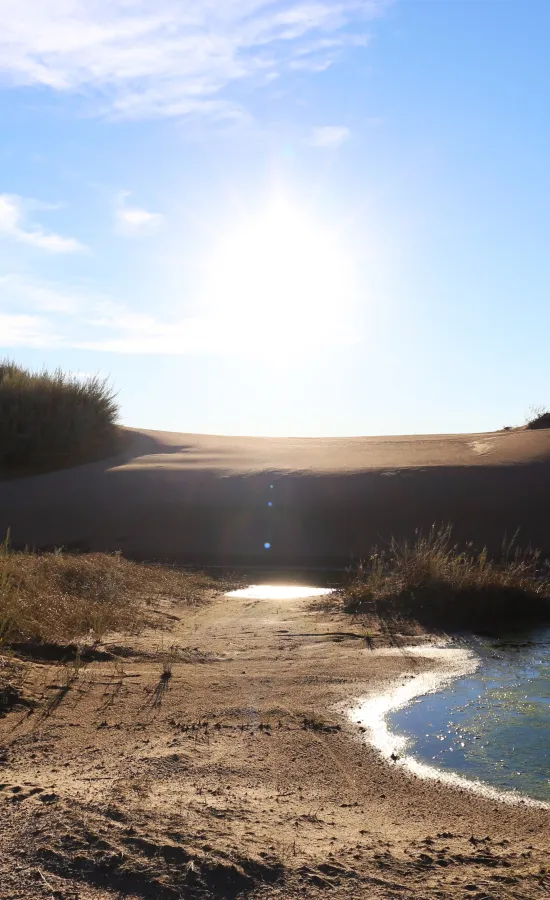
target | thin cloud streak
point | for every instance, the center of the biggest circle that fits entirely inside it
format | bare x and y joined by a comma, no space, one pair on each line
26,331
330,137
134,220
11,225
172,59
75,320
36,296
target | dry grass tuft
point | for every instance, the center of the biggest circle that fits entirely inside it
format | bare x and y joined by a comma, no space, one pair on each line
49,420
432,582
60,598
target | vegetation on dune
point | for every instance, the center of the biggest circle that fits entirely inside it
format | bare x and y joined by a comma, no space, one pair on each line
539,417
60,598
49,419
433,582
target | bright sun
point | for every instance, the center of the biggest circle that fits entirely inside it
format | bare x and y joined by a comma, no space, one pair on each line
282,279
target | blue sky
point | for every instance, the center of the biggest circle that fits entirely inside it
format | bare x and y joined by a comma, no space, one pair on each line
320,217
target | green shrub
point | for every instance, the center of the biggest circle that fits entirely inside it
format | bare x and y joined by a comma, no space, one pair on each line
49,420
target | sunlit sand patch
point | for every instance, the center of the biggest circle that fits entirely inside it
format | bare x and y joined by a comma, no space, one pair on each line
279,592
481,447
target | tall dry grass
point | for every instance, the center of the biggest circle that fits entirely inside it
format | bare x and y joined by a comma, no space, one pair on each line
432,581
61,598
50,419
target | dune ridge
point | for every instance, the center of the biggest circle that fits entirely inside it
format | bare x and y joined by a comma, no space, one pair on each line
203,499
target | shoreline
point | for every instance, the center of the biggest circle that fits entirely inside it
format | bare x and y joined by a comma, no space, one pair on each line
372,712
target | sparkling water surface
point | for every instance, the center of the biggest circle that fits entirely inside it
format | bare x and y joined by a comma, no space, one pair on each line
494,725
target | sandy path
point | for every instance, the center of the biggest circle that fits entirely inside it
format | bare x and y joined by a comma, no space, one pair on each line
207,783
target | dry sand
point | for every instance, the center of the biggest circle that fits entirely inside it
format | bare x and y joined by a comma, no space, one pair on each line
239,775
203,499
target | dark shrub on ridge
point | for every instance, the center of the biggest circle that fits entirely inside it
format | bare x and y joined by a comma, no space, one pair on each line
540,421
49,419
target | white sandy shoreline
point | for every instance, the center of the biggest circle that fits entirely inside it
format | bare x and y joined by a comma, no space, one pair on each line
372,714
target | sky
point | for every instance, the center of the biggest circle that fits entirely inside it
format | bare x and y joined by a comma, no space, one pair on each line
320,217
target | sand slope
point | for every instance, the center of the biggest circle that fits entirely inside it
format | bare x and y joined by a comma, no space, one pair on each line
204,499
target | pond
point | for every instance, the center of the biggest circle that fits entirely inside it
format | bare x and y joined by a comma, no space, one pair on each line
491,724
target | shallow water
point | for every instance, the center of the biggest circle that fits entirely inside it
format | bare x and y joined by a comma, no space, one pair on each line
492,725
280,592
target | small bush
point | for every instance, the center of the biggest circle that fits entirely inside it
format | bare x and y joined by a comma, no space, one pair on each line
432,582
60,598
50,420
539,417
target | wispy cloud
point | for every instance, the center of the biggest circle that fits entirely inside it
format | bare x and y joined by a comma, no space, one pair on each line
12,218
171,57
18,290
330,137
134,220
26,331
33,314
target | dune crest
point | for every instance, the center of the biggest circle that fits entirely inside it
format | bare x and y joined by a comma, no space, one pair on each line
205,499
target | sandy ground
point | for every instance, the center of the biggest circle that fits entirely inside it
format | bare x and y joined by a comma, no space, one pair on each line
239,774
204,499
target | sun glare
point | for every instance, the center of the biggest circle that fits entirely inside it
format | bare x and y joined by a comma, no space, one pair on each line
283,280
279,592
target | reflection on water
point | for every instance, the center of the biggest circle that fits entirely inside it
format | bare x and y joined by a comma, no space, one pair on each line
493,725
279,592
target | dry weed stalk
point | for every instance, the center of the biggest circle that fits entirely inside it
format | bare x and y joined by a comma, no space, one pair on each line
50,419
435,582
61,598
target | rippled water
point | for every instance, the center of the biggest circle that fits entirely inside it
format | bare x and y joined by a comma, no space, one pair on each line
493,725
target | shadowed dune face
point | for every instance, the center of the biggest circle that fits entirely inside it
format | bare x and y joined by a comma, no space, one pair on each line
205,499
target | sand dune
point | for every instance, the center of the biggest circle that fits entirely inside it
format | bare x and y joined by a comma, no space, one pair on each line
204,499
